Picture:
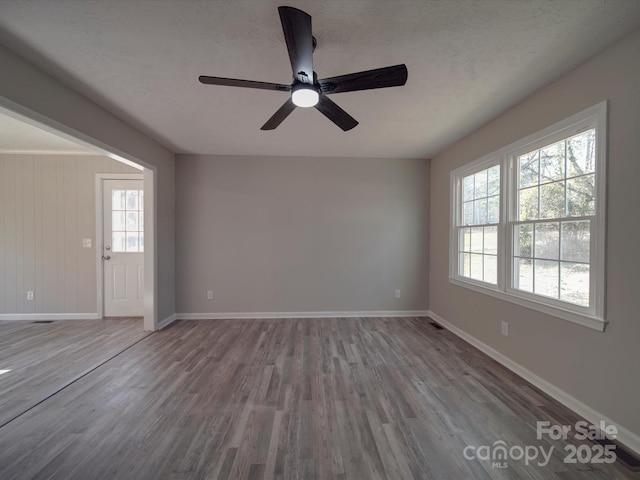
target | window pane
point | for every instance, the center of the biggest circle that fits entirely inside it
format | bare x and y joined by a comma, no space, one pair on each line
528,169
141,242
493,183
552,200
480,207
523,240
481,184
581,153
465,239
491,240
140,199
118,242
132,199
552,162
493,207
117,221
528,203
547,241
576,241
574,284
465,264
132,221
117,199
467,192
132,242
581,196
476,266
491,269
141,221
476,239
467,213
546,278
523,274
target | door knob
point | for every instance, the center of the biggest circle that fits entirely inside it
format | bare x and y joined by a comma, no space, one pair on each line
108,257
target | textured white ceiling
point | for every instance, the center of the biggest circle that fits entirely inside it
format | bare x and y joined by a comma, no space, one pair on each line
468,60
16,136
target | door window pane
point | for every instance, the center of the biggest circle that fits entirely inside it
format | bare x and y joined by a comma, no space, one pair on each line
117,221
117,199
118,243
127,221
132,199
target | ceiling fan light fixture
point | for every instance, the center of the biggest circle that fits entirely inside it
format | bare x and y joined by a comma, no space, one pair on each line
305,95
306,89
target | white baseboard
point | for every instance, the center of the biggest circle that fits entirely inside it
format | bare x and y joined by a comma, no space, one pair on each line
167,321
626,437
266,315
49,316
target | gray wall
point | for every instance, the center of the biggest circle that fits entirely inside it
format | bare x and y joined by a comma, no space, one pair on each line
47,206
600,369
30,89
271,234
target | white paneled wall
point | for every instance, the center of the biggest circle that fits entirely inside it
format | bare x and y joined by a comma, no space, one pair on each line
47,207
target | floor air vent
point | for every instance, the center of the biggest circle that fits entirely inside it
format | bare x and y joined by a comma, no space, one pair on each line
625,457
43,321
437,326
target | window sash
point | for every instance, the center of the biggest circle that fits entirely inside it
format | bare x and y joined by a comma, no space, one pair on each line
490,270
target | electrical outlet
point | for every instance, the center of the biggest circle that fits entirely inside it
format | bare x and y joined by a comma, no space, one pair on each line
86,243
397,293
29,295
210,295
505,329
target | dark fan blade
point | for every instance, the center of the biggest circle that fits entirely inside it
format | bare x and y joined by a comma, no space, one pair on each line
296,26
277,118
334,113
234,82
378,78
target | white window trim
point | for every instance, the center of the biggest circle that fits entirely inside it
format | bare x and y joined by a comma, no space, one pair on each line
592,317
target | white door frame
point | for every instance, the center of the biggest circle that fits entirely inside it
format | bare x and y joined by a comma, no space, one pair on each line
99,190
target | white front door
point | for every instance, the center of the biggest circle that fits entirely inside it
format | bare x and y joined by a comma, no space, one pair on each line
123,247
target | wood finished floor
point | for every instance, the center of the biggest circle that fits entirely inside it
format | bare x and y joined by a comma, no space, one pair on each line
43,357
319,399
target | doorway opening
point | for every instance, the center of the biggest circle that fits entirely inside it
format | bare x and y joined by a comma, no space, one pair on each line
146,235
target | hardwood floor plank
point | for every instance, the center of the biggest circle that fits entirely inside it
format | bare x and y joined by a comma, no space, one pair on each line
325,399
43,357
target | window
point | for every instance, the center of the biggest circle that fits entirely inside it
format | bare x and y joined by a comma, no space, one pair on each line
528,220
478,233
127,221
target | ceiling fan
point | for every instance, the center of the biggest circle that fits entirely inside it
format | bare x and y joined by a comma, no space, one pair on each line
306,90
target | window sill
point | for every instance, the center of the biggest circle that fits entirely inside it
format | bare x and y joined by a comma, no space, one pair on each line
589,321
